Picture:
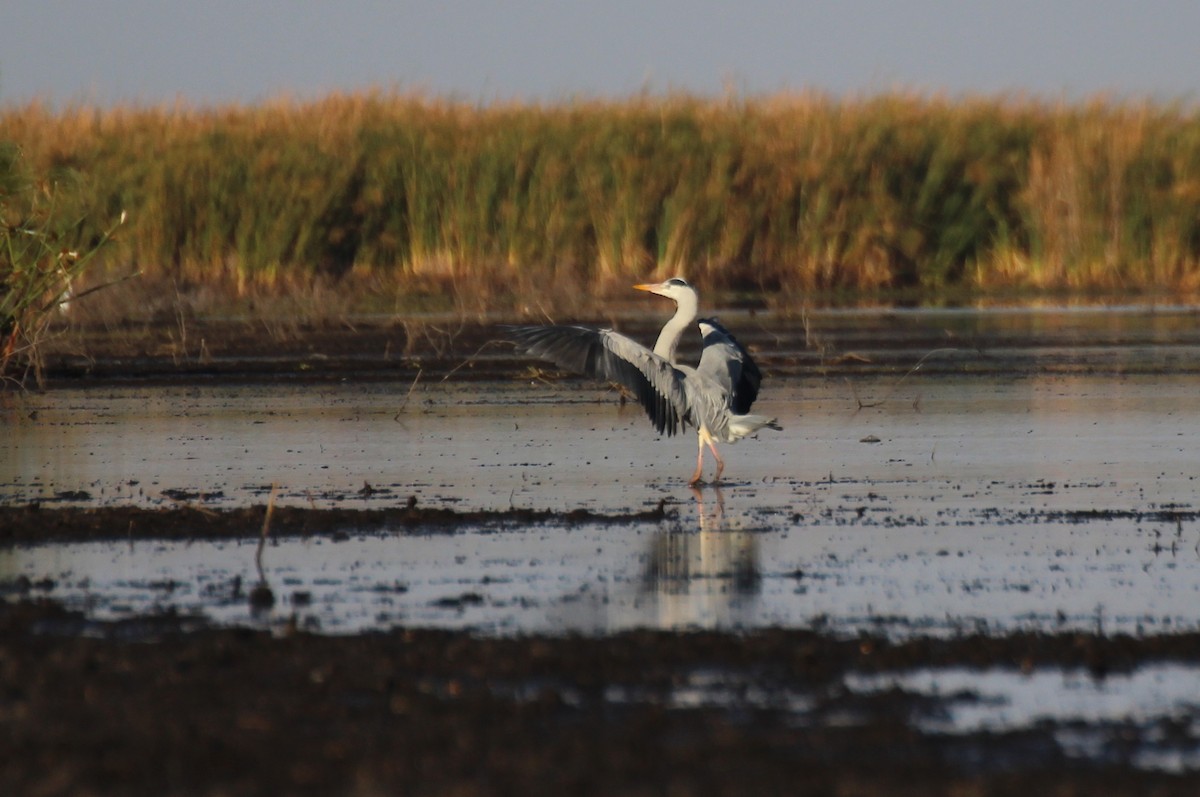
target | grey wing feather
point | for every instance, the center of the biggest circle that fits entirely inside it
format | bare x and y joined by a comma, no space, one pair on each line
727,361
610,355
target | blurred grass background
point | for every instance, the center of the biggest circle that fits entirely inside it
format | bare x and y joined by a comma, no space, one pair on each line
402,202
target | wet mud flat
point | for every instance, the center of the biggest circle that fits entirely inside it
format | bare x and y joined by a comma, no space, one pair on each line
155,706
980,579
170,700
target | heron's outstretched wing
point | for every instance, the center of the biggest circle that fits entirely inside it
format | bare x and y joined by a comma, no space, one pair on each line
727,362
610,355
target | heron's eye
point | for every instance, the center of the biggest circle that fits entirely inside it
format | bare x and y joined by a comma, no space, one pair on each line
677,282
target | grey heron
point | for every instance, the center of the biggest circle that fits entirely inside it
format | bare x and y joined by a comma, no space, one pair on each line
714,397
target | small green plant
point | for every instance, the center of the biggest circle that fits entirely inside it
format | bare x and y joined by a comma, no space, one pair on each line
41,258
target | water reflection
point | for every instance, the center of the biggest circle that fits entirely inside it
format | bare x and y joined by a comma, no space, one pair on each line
707,576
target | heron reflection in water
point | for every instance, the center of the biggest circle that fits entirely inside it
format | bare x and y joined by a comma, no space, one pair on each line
702,577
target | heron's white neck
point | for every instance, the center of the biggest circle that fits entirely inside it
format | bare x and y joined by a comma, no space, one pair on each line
668,339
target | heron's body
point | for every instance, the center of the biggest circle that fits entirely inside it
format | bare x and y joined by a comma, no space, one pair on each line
714,397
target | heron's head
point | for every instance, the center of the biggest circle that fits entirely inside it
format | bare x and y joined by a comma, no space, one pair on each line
675,288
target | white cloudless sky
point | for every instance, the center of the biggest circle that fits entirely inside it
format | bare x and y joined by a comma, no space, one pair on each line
217,51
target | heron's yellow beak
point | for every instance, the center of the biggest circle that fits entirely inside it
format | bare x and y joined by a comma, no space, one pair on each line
646,287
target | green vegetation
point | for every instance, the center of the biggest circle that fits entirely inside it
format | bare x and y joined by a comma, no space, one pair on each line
43,250
409,197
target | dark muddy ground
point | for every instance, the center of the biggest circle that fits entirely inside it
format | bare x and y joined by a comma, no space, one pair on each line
145,707
166,704
34,523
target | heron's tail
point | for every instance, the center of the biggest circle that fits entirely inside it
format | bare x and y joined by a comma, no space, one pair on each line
742,425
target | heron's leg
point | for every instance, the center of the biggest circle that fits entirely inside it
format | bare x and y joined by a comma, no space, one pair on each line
699,460
712,446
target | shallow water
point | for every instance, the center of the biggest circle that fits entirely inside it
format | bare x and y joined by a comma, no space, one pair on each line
1147,717
987,502
1040,474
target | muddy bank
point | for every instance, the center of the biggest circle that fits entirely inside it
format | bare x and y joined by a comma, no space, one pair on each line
149,709
35,523
799,341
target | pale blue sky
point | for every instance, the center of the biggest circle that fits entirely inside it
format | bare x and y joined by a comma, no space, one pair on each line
155,51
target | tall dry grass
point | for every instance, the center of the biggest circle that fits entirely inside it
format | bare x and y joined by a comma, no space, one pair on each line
799,192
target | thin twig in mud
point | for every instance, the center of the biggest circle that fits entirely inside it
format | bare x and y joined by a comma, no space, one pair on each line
538,375
181,321
863,404
407,396
624,394
810,339
19,384
534,374
448,337
815,342
410,338
471,359
545,313
266,529
190,505
763,328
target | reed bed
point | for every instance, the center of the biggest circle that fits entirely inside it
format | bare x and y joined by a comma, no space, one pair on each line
413,196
